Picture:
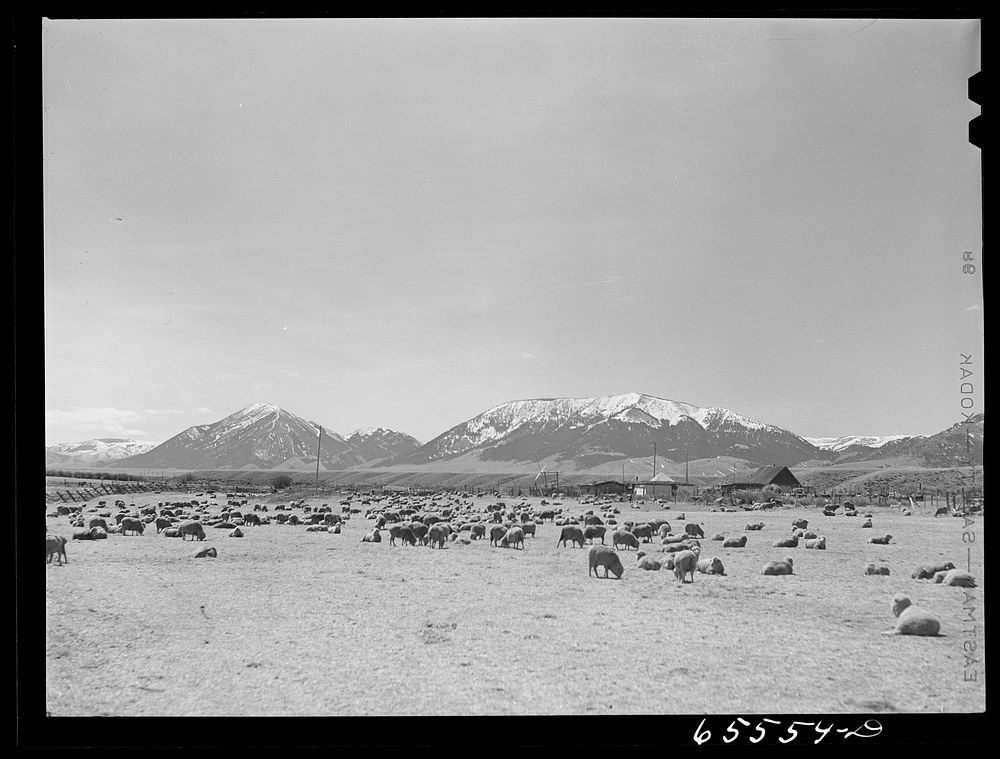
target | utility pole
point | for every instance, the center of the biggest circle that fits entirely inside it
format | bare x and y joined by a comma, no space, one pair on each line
319,443
654,459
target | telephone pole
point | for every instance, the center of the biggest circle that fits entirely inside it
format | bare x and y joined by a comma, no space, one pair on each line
654,459
319,444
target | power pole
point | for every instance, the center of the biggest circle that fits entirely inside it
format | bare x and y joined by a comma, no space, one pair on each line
654,459
319,443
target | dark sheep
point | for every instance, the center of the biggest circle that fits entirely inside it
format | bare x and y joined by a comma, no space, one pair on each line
881,541
98,522
778,567
529,528
739,542
419,530
162,524
55,545
128,524
602,556
871,569
643,532
694,530
592,531
570,533
800,524
624,538
477,532
791,542
195,529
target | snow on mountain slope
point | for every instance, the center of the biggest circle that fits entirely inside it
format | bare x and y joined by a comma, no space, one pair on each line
97,451
846,441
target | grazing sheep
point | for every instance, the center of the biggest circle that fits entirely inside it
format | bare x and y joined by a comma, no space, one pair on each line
206,553
192,528
512,537
236,533
624,538
55,545
685,564
791,542
818,544
602,556
711,566
871,569
912,620
927,571
437,535
128,524
643,532
496,534
778,567
739,542
881,541
663,530
755,526
694,530
592,531
955,578
419,530
529,528
571,533
162,524
477,532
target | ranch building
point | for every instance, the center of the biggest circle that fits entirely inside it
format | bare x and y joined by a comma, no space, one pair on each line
660,486
607,487
779,476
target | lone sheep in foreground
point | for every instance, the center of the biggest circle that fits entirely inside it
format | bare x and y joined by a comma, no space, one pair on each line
206,553
956,578
685,564
871,569
55,545
927,571
881,541
739,542
602,556
778,567
711,566
912,620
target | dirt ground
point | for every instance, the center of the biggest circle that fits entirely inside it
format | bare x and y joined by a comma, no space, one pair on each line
288,622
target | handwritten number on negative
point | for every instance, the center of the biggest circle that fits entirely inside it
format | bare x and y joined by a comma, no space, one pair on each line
761,730
700,736
731,729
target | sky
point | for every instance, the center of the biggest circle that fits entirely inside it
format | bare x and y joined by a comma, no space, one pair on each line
403,223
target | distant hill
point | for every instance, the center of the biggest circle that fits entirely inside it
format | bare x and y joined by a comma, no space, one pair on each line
92,453
377,445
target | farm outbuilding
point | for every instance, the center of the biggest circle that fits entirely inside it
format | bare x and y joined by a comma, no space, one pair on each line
779,476
606,487
660,486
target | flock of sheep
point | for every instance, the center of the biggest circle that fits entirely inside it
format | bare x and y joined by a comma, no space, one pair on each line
449,517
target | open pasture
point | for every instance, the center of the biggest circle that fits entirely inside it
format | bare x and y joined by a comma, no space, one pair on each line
290,622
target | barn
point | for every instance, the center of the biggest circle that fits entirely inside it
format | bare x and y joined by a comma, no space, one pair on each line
779,476
605,487
660,486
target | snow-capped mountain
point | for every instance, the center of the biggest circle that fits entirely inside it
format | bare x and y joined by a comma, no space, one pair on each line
260,436
590,431
846,441
95,452
377,444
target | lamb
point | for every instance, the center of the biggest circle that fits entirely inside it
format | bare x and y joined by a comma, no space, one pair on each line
928,571
871,569
685,564
602,556
571,533
955,578
711,566
624,538
55,545
912,620
739,542
778,567
881,541
819,544
791,542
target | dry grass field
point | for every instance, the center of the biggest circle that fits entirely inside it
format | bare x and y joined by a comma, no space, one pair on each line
289,622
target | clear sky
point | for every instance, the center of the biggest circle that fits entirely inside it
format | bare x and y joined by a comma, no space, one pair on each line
403,223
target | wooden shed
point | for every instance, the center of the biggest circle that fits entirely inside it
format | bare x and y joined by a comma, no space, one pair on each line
780,476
